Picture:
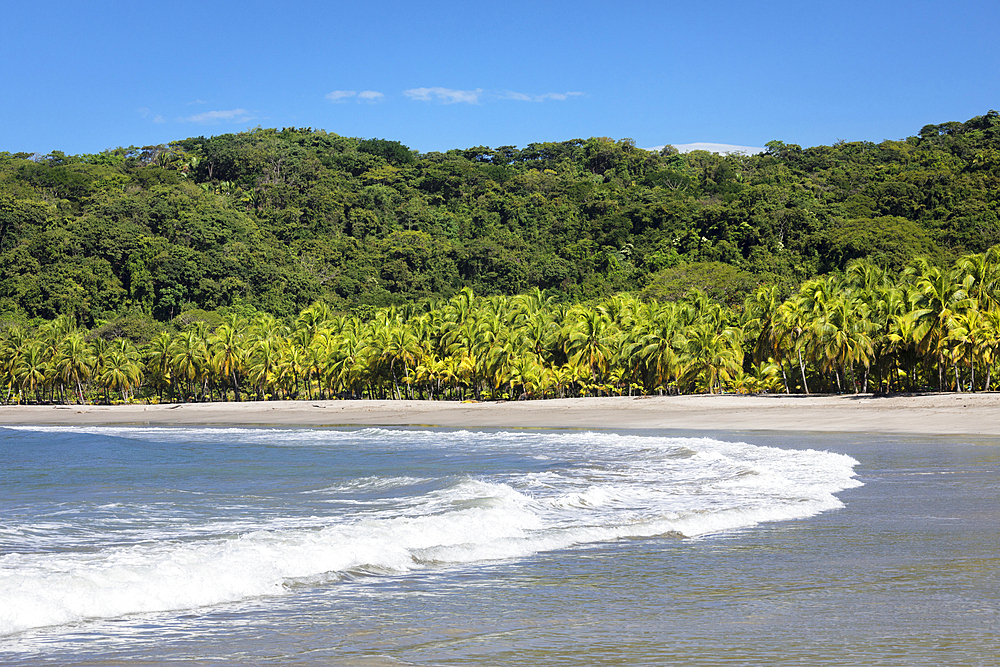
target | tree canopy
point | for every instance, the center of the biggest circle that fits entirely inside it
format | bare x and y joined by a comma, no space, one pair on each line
299,263
278,219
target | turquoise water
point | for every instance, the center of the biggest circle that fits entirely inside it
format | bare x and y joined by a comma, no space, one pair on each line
443,547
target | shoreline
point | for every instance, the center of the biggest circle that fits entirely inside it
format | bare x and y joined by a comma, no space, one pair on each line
919,414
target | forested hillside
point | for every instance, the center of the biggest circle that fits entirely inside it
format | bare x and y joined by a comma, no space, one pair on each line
300,264
278,219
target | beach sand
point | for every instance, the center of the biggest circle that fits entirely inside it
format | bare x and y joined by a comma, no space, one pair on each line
926,414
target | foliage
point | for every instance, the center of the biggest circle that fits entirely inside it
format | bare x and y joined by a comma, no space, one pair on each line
718,281
298,262
868,330
278,219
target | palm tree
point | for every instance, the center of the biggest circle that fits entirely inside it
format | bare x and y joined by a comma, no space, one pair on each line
52,336
310,322
500,358
658,348
401,349
900,345
984,269
528,373
265,365
762,312
228,356
31,370
75,362
346,367
971,340
316,356
159,356
589,342
121,371
710,357
841,337
886,306
990,343
12,341
938,298
188,361
295,363
794,325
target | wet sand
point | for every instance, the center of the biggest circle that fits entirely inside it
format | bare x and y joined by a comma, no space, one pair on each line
927,414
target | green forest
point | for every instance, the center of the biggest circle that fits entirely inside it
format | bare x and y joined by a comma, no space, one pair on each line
297,263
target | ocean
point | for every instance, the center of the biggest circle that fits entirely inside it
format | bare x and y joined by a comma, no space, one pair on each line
373,546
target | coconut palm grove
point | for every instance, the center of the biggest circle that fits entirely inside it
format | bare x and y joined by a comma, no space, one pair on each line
299,264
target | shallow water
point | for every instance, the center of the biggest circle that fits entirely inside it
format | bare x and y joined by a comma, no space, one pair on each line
442,547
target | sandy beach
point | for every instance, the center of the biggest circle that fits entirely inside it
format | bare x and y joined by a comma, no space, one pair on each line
927,414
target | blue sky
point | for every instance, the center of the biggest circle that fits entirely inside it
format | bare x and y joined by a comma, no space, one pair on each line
82,77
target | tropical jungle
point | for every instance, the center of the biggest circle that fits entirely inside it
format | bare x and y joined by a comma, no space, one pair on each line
297,263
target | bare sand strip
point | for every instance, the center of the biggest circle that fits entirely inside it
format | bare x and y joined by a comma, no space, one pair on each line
927,414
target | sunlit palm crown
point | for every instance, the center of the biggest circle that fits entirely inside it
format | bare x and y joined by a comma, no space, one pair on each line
926,327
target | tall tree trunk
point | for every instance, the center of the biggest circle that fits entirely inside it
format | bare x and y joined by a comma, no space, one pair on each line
802,368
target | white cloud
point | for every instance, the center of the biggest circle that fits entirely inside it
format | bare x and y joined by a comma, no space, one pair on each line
520,97
553,96
445,95
451,96
159,119
723,149
370,96
341,95
563,96
231,115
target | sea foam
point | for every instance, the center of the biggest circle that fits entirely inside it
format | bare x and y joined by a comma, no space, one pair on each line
596,487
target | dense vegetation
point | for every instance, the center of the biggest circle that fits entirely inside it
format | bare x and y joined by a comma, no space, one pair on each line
302,263
869,330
